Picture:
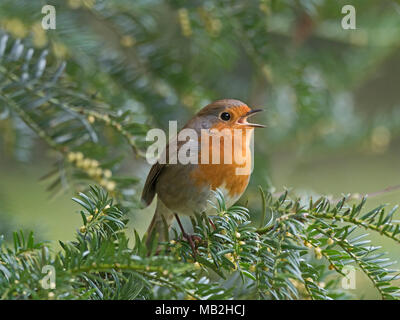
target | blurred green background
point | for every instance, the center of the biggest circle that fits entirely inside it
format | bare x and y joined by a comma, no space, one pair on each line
332,95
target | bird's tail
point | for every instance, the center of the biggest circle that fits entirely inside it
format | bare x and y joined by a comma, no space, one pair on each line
160,224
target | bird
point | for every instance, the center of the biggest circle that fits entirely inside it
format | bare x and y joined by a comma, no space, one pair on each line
184,189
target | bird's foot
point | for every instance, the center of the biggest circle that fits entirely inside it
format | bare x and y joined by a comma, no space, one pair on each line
193,241
212,224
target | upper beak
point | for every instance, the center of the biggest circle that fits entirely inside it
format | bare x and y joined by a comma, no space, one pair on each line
243,120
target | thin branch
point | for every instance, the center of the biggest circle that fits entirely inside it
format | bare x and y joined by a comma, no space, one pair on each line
340,242
33,125
361,223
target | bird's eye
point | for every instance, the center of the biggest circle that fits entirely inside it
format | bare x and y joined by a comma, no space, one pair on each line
225,116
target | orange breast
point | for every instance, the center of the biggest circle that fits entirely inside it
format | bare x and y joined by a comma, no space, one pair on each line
217,176
234,176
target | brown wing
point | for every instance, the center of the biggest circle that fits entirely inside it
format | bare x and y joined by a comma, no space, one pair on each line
149,189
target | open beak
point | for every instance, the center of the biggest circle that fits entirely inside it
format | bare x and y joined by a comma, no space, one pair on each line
243,120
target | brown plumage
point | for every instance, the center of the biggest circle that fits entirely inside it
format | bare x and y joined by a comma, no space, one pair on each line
185,189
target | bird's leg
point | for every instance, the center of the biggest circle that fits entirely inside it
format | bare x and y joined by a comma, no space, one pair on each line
212,224
188,237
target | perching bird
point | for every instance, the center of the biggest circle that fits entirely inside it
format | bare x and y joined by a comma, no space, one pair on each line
183,189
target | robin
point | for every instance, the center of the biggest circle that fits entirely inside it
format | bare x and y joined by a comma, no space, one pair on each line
183,189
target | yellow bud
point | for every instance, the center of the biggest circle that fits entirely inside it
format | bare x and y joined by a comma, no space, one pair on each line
79,163
59,49
106,118
91,119
252,268
94,163
318,253
92,172
107,173
228,256
307,244
330,241
82,229
197,265
71,156
16,27
127,41
90,218
237,235
242,243
185,22
111,186
79,156
86,163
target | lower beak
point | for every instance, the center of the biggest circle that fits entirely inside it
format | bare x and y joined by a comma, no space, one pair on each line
243,120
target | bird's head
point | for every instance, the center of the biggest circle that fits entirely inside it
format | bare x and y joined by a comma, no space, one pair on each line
225,114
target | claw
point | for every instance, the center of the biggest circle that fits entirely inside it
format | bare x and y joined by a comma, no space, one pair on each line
212,224
192,239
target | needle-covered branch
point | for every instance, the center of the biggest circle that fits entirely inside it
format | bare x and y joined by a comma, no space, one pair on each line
300,256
